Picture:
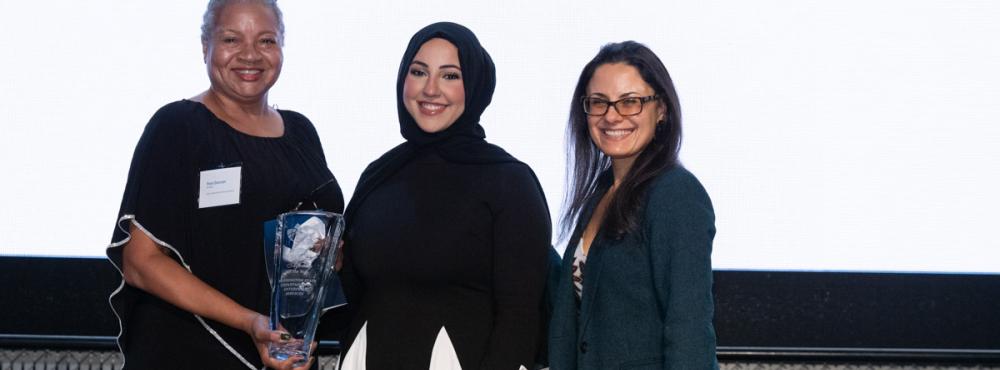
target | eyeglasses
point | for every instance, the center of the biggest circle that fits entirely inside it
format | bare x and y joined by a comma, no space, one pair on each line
629,106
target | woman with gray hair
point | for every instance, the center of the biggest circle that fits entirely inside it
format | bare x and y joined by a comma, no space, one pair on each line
206,175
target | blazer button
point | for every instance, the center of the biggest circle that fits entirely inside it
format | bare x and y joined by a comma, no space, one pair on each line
583,347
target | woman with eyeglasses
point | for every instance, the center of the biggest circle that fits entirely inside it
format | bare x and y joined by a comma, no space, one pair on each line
448,236
635,287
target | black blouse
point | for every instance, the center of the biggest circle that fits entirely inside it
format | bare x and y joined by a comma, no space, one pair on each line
223,245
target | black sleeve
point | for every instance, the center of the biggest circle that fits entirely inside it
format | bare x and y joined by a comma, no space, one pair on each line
160,194
522,239
161,190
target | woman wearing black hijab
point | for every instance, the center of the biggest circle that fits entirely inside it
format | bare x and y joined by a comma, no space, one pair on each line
448,235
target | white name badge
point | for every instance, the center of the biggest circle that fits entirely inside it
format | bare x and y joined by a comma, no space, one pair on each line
220,187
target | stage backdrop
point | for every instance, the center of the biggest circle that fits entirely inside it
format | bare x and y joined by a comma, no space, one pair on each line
831,135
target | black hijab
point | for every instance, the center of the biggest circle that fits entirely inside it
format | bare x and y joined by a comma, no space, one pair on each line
463,141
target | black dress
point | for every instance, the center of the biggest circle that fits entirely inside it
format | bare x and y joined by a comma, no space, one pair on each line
223,245
454,246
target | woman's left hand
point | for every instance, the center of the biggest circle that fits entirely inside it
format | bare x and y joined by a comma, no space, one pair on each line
262,335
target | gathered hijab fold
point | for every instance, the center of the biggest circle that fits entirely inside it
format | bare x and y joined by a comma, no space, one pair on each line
462,142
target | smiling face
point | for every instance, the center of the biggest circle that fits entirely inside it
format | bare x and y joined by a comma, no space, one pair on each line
622,137
433,91
243,54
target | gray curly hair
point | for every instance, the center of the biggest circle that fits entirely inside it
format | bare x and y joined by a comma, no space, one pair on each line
215,6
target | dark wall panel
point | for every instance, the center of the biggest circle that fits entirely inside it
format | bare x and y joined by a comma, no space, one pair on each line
757,312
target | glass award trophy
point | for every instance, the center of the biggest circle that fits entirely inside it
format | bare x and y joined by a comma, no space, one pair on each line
301,268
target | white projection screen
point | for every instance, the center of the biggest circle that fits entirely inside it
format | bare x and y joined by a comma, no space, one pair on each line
831,135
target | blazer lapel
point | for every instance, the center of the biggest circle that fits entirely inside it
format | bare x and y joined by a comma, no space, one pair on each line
591,281
592,268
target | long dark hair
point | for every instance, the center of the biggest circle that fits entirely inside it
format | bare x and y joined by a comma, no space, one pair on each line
590,167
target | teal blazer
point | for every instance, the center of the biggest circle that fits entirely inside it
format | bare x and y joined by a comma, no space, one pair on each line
647,297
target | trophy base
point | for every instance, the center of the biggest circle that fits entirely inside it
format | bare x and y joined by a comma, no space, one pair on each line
289,349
